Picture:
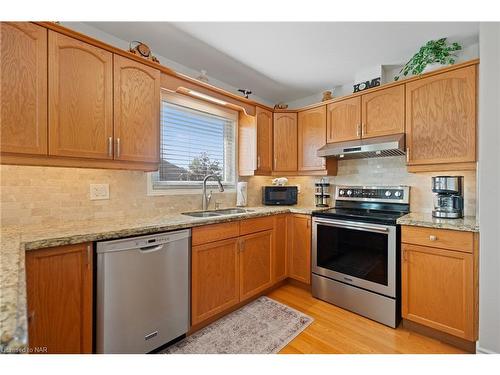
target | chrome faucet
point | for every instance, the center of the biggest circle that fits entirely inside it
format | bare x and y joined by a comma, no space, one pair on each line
205,200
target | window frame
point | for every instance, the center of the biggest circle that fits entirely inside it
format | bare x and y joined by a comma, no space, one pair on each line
154,187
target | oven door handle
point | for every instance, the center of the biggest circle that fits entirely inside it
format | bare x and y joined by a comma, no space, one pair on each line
363,227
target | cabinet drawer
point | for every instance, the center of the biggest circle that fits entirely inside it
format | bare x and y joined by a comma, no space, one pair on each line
441,238
214,232
257,224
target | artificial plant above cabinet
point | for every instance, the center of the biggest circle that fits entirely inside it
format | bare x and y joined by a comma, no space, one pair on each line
441,121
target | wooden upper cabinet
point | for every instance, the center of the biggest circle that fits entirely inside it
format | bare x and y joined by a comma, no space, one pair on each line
344,120
80,99
264,140
441,118
136,111
255,263
311,136
23,64
285,142
299,247
214,278
383,112
438,289
59,293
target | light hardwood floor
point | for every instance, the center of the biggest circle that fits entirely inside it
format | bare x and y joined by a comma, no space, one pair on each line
335,330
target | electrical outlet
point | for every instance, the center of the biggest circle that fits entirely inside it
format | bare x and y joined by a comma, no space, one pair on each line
99,191
298,189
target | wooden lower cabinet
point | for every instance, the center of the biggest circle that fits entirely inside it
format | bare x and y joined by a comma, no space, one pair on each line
255,263
59,290
439,289
299,247
214,278
280,269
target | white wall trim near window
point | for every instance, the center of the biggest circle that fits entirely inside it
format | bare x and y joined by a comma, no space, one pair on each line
196,138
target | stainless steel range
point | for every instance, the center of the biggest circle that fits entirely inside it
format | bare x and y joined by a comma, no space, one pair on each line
356,251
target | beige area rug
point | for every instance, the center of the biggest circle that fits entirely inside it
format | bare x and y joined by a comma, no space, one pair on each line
264,326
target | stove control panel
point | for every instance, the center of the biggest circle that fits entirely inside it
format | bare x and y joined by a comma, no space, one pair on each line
394,194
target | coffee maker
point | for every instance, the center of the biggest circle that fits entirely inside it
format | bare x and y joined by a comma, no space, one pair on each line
448,199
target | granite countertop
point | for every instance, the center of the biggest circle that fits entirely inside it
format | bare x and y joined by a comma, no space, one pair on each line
16,240
467,223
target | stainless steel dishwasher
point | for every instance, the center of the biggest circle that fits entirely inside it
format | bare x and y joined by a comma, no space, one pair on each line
142,292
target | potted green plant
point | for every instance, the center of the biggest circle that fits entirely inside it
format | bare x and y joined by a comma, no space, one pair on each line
430,56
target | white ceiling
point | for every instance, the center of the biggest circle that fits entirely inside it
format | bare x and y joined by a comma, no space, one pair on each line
285,61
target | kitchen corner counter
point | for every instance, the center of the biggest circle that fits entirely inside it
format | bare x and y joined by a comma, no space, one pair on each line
15,240
467,223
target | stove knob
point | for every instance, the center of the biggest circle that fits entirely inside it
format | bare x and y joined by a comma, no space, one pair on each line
349,192
397,194
341,192
388,193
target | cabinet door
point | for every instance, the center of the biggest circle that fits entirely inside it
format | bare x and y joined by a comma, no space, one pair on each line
59,290
280,248
264,140
299,248
23,64
255,263
344,120
437,289
311,136
441,118
285,142
383,112
214,278
136,111
80,99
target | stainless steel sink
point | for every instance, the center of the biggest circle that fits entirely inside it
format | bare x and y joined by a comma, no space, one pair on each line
202,214
221,212
232,211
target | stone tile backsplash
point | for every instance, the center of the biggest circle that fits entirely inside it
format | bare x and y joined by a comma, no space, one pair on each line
49,195
376,171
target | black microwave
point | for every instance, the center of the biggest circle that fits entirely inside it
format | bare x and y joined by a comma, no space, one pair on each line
279,195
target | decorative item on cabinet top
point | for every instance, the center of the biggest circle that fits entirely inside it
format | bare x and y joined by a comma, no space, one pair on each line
434,54
281,106
366,85
143,50
327,95
245,92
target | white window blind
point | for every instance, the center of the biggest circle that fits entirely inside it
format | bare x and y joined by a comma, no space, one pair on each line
193,144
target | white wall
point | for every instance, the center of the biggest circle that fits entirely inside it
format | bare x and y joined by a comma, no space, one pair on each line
489,183
123,44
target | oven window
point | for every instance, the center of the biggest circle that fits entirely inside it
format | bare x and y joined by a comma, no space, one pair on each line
352,252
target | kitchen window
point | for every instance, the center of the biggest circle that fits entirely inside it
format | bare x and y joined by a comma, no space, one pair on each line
196,139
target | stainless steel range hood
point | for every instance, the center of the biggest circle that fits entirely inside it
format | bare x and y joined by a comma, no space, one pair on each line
391,145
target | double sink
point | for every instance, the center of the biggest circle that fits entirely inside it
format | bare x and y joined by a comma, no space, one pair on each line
221,212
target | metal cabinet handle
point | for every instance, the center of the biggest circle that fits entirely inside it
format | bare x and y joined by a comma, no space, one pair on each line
363,128
110,146
432,238
258,161
358,130
242,245
118,151
407,154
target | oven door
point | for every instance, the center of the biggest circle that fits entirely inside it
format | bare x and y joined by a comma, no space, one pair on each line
356,253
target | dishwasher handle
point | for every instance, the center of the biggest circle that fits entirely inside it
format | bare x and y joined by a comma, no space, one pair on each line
150,249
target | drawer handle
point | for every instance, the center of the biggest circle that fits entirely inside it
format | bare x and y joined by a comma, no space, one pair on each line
432,238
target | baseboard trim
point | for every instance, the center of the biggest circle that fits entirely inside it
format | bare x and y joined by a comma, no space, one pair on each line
468,346
481,350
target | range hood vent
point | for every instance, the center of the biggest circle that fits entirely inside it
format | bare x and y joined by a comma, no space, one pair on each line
391,145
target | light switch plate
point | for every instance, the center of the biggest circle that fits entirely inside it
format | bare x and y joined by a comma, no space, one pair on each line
99,191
